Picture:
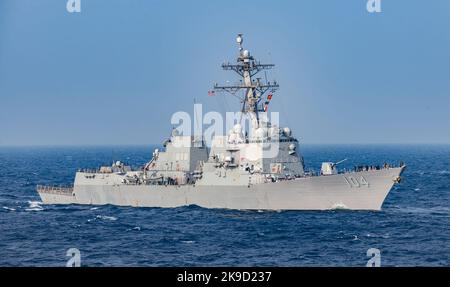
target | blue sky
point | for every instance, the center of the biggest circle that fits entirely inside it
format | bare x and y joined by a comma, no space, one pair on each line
116,72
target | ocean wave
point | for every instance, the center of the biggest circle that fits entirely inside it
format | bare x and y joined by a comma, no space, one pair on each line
34,206
438,210
339,206
373,235
9,208
136,228
105,217
412,223
432,172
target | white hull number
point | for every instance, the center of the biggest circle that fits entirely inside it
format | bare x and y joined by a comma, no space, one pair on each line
353,181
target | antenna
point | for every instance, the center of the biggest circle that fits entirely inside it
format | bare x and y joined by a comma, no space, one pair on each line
247,67
239,40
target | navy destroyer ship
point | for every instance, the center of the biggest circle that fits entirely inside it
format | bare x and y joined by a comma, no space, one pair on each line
257,170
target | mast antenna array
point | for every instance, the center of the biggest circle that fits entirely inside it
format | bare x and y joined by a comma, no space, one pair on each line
247,67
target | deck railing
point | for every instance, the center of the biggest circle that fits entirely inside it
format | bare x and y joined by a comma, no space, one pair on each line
66,190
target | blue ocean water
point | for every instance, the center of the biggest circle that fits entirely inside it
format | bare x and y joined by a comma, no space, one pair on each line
411,230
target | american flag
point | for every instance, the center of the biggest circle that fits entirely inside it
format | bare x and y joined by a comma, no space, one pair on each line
211,93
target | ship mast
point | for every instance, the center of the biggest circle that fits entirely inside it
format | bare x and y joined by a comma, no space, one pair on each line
247,67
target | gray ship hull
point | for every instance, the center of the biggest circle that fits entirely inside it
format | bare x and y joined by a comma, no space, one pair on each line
365,190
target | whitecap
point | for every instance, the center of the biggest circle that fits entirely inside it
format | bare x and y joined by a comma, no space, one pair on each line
188,241
9,208
338,206
104,217
416,189
93,208
34,206
137,228
384,236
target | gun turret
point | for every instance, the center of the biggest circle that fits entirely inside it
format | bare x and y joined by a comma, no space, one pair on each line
339,162
329,168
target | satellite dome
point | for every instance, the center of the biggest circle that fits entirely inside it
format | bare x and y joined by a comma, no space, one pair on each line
259,133
287,131
239,39
237,128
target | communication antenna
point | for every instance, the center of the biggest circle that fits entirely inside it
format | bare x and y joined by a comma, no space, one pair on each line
247,67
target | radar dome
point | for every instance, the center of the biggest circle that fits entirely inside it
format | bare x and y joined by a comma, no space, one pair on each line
259,133
239,39
287,131
237,128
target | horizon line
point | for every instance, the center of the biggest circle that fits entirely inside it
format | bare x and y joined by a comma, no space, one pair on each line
154,144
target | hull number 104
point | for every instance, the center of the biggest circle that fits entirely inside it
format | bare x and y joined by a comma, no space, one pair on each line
353,181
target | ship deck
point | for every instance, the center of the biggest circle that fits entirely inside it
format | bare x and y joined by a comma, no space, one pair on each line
55,190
